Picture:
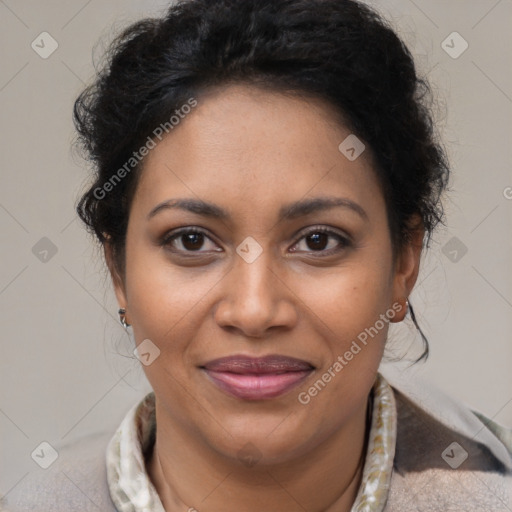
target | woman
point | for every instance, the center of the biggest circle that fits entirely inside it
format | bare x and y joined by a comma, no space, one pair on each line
267,177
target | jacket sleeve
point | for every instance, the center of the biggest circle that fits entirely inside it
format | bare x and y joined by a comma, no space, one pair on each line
75,482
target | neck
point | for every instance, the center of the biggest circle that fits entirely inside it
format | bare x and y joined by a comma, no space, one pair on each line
188,474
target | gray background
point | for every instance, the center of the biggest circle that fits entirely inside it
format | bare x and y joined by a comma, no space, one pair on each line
66,365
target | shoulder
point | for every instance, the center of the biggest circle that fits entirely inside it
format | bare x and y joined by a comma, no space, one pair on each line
76,481
447,456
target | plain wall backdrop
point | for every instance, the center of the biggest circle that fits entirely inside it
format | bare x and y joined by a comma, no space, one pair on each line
66,364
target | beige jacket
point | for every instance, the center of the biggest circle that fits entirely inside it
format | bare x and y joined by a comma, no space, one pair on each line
447,459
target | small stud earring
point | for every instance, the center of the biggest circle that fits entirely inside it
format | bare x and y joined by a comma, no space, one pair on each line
122,318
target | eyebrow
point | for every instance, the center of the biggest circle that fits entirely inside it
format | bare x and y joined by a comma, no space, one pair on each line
287,212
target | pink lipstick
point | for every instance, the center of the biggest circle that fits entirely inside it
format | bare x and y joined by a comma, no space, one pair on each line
257,378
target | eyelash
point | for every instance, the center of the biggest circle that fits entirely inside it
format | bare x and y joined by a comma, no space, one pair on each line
343,240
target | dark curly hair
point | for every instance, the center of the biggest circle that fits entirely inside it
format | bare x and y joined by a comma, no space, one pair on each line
340,51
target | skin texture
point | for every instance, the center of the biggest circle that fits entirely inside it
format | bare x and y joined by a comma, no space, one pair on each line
250,152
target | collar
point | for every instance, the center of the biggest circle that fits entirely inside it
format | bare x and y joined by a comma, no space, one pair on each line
131,489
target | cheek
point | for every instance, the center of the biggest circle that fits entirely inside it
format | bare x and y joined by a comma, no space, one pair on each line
163,297
345,309
347,299
165,304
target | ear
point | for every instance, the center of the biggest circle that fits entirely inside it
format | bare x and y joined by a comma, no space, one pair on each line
407,266
115,275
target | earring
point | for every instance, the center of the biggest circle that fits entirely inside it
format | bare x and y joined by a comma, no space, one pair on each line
122,318
406,306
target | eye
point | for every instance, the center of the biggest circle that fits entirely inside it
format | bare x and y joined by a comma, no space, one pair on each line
187,240
317,240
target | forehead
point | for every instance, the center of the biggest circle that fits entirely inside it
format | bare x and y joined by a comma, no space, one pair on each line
245,147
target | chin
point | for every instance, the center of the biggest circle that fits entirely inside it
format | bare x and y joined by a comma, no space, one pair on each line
264,443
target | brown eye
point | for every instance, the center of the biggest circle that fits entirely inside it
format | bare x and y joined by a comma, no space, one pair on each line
317,241
187,240
192,241
323,240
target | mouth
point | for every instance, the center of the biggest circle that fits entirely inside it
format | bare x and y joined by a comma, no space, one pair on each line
261,378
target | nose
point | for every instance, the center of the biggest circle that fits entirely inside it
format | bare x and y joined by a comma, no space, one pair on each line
256,298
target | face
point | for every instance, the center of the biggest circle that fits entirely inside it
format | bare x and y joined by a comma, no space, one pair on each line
254,282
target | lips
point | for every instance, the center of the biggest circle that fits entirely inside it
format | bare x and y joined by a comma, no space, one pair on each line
257,378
